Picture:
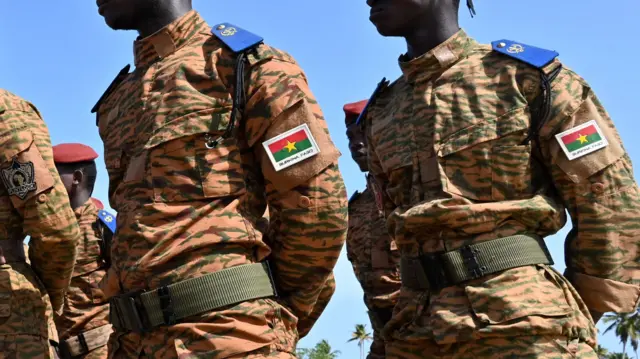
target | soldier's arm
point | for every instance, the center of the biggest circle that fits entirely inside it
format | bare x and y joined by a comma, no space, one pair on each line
380,181
601,251
45,209
305,325
309,220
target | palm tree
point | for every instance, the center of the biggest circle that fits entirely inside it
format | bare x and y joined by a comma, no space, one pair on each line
361,335
322,350
627,328
616,356
602,352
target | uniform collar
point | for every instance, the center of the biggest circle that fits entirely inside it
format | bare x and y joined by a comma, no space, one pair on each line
87,207
369,178
168,39
439,58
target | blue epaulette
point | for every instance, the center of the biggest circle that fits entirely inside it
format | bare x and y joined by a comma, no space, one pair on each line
381,86
531,55
354,196
236,39
108,219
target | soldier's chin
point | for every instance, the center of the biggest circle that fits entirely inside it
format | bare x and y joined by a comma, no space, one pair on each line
387,30
117,22
362,164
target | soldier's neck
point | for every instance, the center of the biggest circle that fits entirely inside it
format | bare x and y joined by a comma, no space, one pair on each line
79,200
163,17
433,32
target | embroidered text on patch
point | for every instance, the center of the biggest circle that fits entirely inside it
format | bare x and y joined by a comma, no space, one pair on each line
291,147
19,179
582,140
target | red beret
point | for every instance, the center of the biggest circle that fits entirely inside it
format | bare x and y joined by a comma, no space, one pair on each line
353,110
73,153
98,203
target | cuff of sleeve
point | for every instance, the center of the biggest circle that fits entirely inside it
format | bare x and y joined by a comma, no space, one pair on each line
57,301
605,295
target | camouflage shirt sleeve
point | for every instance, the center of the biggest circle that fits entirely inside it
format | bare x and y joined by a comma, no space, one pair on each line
329,288
599,190
309,200
47,215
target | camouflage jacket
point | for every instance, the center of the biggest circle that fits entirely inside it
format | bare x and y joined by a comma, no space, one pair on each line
85,307
375,261
447,144
185,209
33,202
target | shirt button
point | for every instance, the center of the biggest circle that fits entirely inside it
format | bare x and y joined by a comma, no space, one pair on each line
42,198
304,202
597,188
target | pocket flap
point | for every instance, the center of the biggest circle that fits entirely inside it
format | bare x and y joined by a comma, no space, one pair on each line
488,130
211,120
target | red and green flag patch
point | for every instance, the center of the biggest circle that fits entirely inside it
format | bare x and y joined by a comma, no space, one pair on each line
291,147
582,140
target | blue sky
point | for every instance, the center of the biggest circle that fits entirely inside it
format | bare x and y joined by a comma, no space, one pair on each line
62,57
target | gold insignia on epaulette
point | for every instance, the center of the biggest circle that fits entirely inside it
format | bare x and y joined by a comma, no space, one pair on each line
19,179
515,49
230,31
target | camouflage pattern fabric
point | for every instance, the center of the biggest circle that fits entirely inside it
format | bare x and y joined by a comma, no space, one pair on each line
447,145
528,347
85,307
185,210
329,288
33,202
375,260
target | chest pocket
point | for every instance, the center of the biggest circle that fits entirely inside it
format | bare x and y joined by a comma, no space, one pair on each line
487,161
181,167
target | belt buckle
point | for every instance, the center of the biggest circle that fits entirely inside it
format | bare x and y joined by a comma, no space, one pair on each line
470,258
166,305
270,273
126,313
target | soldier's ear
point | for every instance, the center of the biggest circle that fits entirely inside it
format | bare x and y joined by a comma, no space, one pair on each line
78,177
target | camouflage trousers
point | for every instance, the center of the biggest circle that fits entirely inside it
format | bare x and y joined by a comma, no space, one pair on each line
527,312
164,351
255,329
526,347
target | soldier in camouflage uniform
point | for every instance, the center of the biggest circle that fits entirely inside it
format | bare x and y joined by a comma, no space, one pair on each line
32,202
210,128
84,325
479,151
372,253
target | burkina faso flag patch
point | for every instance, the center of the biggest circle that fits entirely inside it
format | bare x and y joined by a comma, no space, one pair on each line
291,147
582,140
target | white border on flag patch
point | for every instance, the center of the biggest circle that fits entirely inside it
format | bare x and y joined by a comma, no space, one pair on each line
287,162
572,155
